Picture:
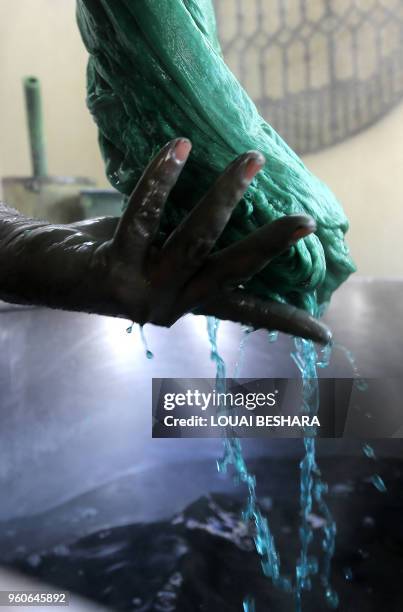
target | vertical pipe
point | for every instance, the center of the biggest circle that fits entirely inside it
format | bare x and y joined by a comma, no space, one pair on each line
33,102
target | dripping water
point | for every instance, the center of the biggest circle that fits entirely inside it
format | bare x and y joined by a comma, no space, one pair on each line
378,483
246,331
368,451
263,538
359,382
312,488
375,479
249,604
362,385
148,353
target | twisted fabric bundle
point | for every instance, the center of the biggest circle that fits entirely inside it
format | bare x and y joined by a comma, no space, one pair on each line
156,72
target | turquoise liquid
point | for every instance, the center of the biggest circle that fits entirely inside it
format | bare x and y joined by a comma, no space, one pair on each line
148,353
312,488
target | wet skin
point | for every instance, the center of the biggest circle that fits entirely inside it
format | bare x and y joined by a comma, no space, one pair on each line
111,266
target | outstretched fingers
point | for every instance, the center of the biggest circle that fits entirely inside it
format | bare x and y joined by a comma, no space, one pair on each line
248,310
239,262
236,264
140,222
190,244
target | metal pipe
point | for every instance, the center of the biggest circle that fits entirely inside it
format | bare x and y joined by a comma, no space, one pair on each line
33,103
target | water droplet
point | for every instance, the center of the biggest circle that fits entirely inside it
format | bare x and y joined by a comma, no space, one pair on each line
369,451
332,599
378,483
249,604
176,579
136,601
149,354
246,331
348,573
313,565
361,384
272,336
324,356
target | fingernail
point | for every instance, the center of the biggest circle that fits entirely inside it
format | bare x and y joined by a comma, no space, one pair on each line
253,166
325,336
182,149
302,231
318,332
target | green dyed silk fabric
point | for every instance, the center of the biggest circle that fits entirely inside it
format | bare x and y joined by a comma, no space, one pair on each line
156,72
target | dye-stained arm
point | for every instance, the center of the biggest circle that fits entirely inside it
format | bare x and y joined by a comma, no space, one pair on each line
112,267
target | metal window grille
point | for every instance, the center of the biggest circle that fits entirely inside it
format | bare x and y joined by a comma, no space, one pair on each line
318,70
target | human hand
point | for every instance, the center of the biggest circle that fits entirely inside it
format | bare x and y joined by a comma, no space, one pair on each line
112,266
141,282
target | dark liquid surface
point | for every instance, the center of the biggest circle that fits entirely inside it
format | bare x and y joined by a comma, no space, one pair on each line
203,558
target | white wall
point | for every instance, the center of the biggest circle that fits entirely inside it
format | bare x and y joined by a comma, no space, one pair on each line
366,174
40,37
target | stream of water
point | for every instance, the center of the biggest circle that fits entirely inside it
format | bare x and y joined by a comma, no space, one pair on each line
312,488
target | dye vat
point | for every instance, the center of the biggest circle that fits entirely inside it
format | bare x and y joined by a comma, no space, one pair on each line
96,505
